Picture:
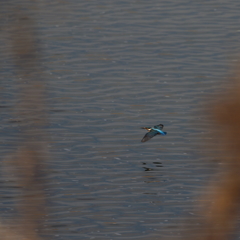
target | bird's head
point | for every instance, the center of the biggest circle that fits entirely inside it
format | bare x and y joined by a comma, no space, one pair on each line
147,128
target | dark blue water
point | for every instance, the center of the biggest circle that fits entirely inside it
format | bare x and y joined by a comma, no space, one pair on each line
111,68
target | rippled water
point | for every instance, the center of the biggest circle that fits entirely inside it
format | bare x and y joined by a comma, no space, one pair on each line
113,67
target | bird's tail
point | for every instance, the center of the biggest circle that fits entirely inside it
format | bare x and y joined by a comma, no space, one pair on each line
164,133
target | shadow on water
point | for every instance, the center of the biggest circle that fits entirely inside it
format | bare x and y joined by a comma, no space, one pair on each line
157,165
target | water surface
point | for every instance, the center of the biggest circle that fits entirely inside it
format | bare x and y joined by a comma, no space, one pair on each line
112,67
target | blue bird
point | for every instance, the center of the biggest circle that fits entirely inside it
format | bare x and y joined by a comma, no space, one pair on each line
153,131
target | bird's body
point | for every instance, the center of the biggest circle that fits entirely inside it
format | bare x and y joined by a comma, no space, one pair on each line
153,131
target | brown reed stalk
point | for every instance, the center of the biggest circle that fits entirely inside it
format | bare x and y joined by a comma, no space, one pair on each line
226,200
29,161
220,218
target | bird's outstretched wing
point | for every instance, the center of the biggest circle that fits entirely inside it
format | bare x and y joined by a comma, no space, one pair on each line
159,126
149,135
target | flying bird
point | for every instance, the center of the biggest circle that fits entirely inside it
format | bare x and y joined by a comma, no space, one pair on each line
153,131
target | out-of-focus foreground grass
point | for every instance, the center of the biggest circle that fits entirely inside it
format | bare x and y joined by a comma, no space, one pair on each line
27,164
